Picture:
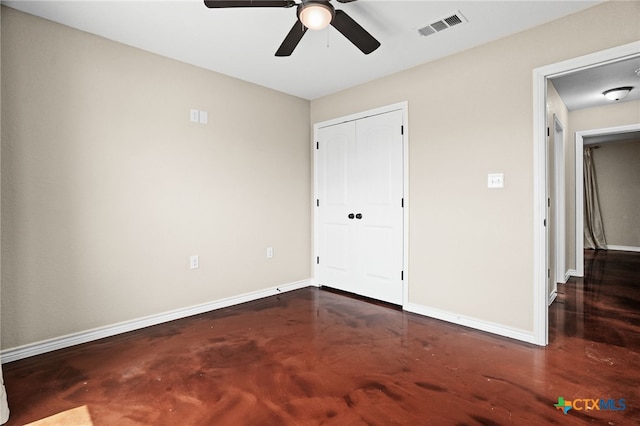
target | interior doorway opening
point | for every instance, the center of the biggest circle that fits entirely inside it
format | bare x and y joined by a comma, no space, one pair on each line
610,133
541,242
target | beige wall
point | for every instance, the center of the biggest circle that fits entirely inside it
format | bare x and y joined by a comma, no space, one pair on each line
617,114
618,172
471,114
107,188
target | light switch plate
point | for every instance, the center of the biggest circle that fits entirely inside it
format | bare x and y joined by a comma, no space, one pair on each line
194,115
204,117
495,180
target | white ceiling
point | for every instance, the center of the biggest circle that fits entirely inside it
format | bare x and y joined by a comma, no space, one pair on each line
583,89
241,42
614,137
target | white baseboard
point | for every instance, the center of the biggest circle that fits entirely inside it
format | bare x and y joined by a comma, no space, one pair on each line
565,277
573,273
477,324
553,296
25,351
623,248
313,282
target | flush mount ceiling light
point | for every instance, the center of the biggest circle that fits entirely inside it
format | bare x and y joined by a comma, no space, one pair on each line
316,15
617,93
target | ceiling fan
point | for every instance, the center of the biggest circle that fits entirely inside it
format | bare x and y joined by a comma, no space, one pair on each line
312,14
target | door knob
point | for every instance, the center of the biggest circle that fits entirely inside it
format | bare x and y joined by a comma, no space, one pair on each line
351,216
359,216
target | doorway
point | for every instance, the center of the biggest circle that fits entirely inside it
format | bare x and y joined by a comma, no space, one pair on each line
541,242
360,214
580,136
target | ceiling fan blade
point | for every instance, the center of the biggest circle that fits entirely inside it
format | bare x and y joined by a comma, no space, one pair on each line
248,3
292,39
354,32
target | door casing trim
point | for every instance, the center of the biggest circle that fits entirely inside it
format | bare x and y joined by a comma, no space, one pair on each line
560,198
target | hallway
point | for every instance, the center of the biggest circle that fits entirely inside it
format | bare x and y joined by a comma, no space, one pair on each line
316,357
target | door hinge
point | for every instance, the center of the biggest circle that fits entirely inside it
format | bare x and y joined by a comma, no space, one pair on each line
402,203
548,273
317,203
548,132
318,260
545,222
402,130
548,202
401,275
317,145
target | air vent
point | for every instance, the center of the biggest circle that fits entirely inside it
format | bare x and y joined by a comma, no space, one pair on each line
453,20
426,31
442,24
439,26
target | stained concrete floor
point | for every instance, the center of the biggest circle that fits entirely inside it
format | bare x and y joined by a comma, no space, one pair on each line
313,357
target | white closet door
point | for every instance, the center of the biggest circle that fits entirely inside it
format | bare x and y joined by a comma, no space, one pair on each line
337,234
360,217
380,231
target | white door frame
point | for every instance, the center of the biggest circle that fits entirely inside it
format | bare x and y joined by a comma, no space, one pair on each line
559,195
540,76
401,106
550,284
580,185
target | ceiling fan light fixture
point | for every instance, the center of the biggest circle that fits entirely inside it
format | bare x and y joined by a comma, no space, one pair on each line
316,15
617,93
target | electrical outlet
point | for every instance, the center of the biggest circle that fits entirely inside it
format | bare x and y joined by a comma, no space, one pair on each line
194,262
269,252
194,115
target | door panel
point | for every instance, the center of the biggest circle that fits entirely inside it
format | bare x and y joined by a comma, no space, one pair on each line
380,152
336,232
337,239
336,163
378,164
378,243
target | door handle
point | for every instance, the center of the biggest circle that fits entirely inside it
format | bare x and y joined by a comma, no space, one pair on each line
359,216
351,216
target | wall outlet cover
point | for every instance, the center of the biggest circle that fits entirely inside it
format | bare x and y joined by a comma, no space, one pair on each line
495,180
